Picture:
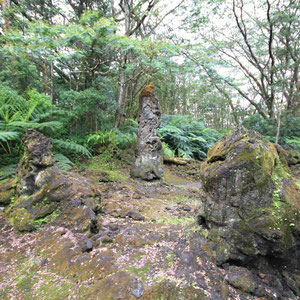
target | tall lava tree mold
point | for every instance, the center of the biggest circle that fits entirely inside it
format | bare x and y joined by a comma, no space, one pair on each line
149,157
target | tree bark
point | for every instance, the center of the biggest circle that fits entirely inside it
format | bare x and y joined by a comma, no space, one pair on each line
5,6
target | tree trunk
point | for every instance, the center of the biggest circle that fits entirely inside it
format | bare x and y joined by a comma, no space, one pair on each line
5,5
45,78
52,83
120,99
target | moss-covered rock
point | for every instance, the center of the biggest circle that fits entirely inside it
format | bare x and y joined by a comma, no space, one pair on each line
252,203
288,155
43,189
7,191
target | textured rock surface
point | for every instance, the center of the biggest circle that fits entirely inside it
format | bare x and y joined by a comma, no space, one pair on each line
149,158
164,256
288,155
251,203
45,191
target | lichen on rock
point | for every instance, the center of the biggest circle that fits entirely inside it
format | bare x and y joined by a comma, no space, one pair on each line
251,203
149,158
43,189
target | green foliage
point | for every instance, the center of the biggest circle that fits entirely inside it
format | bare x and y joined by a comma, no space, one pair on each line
113,138
63,162
167,151
70,146
102,138
186,137
294,142
91,108
18,113
8,171
8,135
289,132
34,110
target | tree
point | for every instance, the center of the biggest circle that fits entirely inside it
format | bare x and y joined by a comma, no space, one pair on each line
258,43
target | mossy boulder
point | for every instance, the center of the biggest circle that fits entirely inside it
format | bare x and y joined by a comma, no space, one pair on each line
288,155
7,191
46,192
251,203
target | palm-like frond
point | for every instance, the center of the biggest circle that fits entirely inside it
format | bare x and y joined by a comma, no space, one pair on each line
71,146
8,171
22,125
185,137
63,162
8,135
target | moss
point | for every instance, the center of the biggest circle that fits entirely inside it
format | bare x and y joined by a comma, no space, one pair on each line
21,219
140,272
147,90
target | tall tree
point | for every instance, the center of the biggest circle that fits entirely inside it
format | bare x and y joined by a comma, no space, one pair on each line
256,46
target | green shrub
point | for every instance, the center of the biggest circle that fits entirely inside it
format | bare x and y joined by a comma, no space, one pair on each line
186,137
32,110
290,126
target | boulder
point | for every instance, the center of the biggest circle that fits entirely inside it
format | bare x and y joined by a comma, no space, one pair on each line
251,203
45,192
149,157
7,191
288,155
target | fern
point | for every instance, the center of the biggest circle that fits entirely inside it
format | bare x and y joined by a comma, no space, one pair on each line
22,125
63,162
187,138
294,142
71,146
8,136
167,151
8,171
101,138
125,139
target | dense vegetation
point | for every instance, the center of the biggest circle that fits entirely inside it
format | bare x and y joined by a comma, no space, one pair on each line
74,70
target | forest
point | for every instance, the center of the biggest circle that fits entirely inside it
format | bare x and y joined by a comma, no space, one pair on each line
149,149
74,70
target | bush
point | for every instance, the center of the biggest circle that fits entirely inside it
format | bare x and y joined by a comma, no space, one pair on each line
290,126
32,110
186,137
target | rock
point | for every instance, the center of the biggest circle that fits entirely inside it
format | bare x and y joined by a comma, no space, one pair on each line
288,155
187,258
120,285
186,208
105,239
241,279
149,158
87,245
137,289
251,203
7,191
135,215
46,192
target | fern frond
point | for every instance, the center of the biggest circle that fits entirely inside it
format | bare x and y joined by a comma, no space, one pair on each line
8,171
167,151
53,125
71,146
63,162
8,135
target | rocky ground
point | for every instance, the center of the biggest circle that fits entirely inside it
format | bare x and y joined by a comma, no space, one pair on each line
149,246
